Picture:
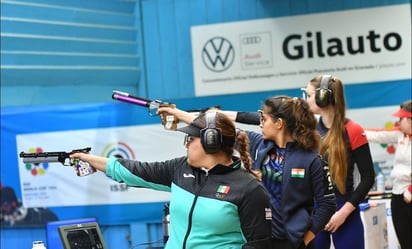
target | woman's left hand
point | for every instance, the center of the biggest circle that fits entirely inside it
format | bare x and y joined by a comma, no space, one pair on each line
335,221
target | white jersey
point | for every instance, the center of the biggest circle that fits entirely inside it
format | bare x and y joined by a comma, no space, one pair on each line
401,173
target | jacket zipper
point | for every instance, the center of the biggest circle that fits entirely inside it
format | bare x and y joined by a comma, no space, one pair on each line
189,226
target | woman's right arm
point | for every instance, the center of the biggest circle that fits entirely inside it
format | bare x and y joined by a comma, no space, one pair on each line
382,136
187,117
184,116
133,173
252,118
97,162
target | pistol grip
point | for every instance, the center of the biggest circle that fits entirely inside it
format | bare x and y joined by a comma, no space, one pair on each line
169,121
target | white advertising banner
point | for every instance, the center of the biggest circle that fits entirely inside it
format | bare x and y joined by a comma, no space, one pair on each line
52,184
362,45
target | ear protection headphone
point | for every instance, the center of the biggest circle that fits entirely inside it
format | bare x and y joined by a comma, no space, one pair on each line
211,137
323,95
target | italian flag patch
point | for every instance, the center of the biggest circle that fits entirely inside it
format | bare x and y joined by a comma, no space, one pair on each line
223,189
298,173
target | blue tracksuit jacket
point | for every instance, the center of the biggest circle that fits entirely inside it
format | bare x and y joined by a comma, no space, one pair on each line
298,194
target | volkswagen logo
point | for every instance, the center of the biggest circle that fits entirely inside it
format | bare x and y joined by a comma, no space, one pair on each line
218,54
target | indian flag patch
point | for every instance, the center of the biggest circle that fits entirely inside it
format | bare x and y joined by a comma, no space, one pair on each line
223,189
298,173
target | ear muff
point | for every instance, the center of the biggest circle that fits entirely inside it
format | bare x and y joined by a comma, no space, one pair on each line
323,95
211,137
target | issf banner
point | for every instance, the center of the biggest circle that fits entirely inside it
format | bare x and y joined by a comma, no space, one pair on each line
52,184
110,129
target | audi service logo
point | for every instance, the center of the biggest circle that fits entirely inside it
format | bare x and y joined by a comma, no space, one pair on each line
251,40
218,54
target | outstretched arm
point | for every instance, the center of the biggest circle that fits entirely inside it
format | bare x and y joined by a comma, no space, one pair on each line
241,117
97,162
382,136
179,114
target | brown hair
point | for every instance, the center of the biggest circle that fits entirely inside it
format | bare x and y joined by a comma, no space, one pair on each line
300,120
334,145
243,145
407,105
232,138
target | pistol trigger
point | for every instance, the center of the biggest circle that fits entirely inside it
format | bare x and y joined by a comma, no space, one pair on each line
152,111
67,161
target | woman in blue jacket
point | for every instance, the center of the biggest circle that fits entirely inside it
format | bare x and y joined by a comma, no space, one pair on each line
285,156
216,201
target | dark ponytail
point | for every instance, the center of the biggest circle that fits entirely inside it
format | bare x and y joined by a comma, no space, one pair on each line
300,120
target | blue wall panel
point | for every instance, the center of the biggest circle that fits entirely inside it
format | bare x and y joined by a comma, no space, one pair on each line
151,40
183,48
75,76
198,7
230,9
168,43
60,13
268,9
60,45
103,32
97,5
59,59
45,44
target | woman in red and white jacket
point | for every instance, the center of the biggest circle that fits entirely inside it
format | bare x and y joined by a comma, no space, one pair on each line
401,175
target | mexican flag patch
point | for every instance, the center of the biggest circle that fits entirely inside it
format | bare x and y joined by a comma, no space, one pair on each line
223,189
298,173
